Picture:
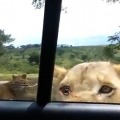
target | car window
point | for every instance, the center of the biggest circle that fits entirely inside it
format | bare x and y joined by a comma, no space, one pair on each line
87,64
87,58
20,44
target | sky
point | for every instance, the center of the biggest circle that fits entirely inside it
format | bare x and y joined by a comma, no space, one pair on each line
87,22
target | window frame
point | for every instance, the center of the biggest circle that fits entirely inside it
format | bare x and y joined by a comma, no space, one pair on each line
43,108
48,50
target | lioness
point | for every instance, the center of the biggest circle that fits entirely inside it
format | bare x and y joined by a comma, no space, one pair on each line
18,89
91,82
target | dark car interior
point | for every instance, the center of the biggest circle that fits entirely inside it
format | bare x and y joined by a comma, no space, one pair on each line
43,108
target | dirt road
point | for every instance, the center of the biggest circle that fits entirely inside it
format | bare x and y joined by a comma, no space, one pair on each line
2,82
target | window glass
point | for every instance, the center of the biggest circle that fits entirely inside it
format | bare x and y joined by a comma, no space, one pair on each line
20,36
87,64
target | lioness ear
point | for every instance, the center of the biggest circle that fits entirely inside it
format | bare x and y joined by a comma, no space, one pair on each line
24,76
13,76
59,72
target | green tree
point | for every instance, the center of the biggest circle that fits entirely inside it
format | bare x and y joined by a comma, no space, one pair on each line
72,56
84,57
60,52
114,44
108,51
114,40
4,38
34,58
38,4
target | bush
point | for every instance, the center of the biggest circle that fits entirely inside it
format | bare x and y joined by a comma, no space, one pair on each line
31,70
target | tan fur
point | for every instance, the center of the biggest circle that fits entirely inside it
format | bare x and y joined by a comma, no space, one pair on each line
58,75
86,80
17,89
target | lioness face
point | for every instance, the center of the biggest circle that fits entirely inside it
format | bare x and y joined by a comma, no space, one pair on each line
19,82
91,82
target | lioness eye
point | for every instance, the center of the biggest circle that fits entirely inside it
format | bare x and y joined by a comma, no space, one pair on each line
65,90
105,89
